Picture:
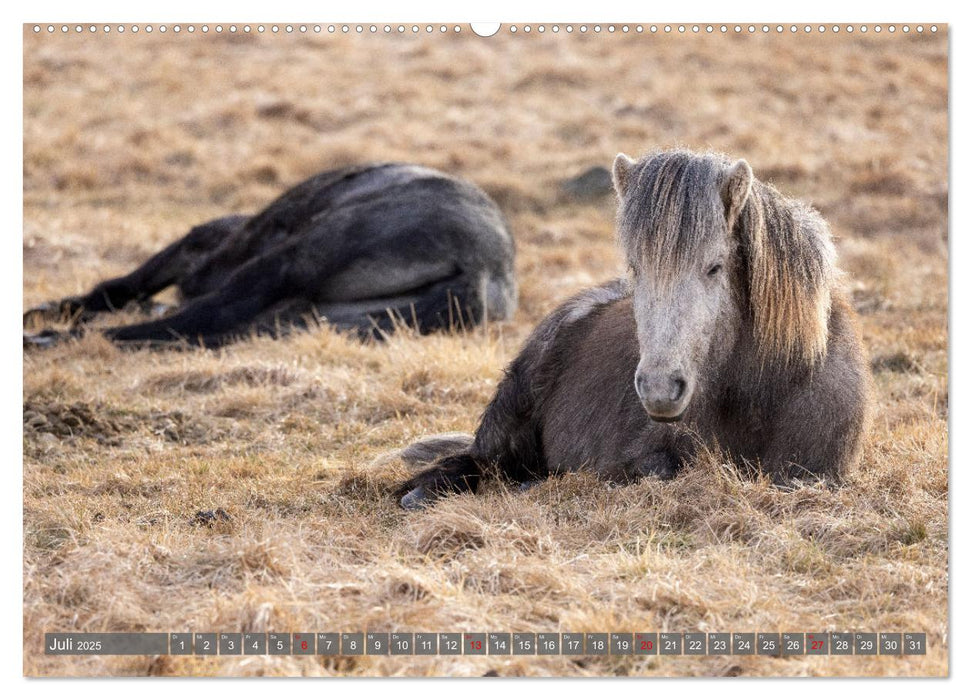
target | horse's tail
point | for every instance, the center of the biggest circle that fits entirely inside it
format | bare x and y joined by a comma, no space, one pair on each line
428,450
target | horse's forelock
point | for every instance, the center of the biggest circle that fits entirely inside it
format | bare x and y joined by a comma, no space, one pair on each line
672,207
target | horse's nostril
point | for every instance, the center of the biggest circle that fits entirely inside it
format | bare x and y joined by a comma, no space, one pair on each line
677,387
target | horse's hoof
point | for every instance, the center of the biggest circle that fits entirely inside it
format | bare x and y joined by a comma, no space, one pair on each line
69,310
155,309
39,314
416,499
44,339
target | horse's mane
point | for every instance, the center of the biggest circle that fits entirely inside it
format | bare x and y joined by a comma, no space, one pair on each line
675,200
792,266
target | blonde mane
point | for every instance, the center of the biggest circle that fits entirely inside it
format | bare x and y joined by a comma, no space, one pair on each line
792,266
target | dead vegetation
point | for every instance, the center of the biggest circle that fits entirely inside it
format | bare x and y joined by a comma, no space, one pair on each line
129,457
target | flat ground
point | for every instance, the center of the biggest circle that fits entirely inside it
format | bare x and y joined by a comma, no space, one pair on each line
130,140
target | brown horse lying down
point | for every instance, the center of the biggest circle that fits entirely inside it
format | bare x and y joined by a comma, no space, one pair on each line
361,248
730,331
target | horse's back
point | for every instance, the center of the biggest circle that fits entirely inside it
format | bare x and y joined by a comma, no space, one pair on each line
383,199
375,231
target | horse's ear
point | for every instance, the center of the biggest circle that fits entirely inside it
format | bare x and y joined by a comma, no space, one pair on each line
623,167
736,189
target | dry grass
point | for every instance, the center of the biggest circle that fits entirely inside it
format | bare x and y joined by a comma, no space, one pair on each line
131,140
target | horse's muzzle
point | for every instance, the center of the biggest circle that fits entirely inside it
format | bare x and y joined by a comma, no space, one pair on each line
665,396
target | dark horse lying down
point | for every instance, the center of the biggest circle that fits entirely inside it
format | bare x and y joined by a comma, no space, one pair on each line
361,248
730,331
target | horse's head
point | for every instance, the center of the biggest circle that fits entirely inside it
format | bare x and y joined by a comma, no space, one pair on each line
712,252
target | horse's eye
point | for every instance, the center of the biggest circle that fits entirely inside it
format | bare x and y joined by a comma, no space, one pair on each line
714,270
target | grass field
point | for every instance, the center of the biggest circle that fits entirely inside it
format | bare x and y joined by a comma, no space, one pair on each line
130,140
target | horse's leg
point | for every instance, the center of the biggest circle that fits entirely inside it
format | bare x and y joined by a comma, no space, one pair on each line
446,304
277,322
506,442
155,274
453,474
662,464
237,308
